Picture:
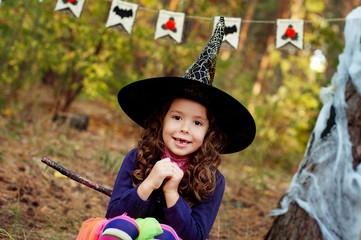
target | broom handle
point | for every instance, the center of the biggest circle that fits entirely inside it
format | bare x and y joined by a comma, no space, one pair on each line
76,177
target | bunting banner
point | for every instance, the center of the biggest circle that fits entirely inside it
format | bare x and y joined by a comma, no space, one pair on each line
122,15
289,33
231,31
70,6
170,24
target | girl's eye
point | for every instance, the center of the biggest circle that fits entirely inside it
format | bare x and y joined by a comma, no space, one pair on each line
198,123
177,117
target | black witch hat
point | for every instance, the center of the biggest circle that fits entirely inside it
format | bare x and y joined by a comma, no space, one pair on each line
140,98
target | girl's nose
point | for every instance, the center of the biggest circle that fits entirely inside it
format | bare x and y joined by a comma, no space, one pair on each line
184,128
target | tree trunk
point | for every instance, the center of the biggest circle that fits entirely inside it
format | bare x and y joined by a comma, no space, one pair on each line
349,5
259,85
296,223
353,113
246,25
173,5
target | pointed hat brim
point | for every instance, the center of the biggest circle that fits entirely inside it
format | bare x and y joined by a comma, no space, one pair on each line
140,98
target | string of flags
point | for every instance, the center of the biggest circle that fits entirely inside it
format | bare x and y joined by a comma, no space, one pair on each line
170,24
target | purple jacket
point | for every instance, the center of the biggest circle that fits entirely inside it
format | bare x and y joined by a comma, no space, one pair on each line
190,223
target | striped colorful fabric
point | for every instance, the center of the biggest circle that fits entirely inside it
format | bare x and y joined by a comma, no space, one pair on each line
126,228
168,233
122,227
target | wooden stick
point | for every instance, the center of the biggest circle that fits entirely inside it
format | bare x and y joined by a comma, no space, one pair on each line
76,177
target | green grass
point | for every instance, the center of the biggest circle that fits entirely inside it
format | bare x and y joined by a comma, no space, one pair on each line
16,211
111,162
2,157
13,128
6,233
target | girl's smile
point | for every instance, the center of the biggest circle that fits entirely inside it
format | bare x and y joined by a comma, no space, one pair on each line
181,141
185,126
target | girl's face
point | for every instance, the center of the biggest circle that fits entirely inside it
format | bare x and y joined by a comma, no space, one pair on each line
184,127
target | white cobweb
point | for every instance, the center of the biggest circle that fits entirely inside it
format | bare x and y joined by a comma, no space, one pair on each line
326,185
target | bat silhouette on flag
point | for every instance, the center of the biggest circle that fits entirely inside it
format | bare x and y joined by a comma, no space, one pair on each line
123,13
230,30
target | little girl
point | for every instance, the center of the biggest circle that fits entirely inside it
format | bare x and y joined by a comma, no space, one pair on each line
172,176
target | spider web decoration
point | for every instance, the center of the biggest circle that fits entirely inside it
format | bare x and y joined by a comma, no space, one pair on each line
232,31
204,67
326,185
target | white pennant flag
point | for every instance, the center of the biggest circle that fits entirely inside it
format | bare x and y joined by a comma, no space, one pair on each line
289,33
231,31
73,6
170,24
122,15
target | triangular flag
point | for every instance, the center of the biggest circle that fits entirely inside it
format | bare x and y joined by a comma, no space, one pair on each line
122,15
231,31
289,33
170,24
73,6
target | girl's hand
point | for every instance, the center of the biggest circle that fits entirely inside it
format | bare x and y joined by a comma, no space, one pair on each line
173,182
170,188
162,169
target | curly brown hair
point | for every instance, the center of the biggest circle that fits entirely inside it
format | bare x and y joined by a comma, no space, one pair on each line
199,179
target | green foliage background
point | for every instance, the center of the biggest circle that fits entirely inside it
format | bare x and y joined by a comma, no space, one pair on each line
81,58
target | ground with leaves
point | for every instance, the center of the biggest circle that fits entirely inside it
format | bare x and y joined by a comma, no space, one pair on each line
38,203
